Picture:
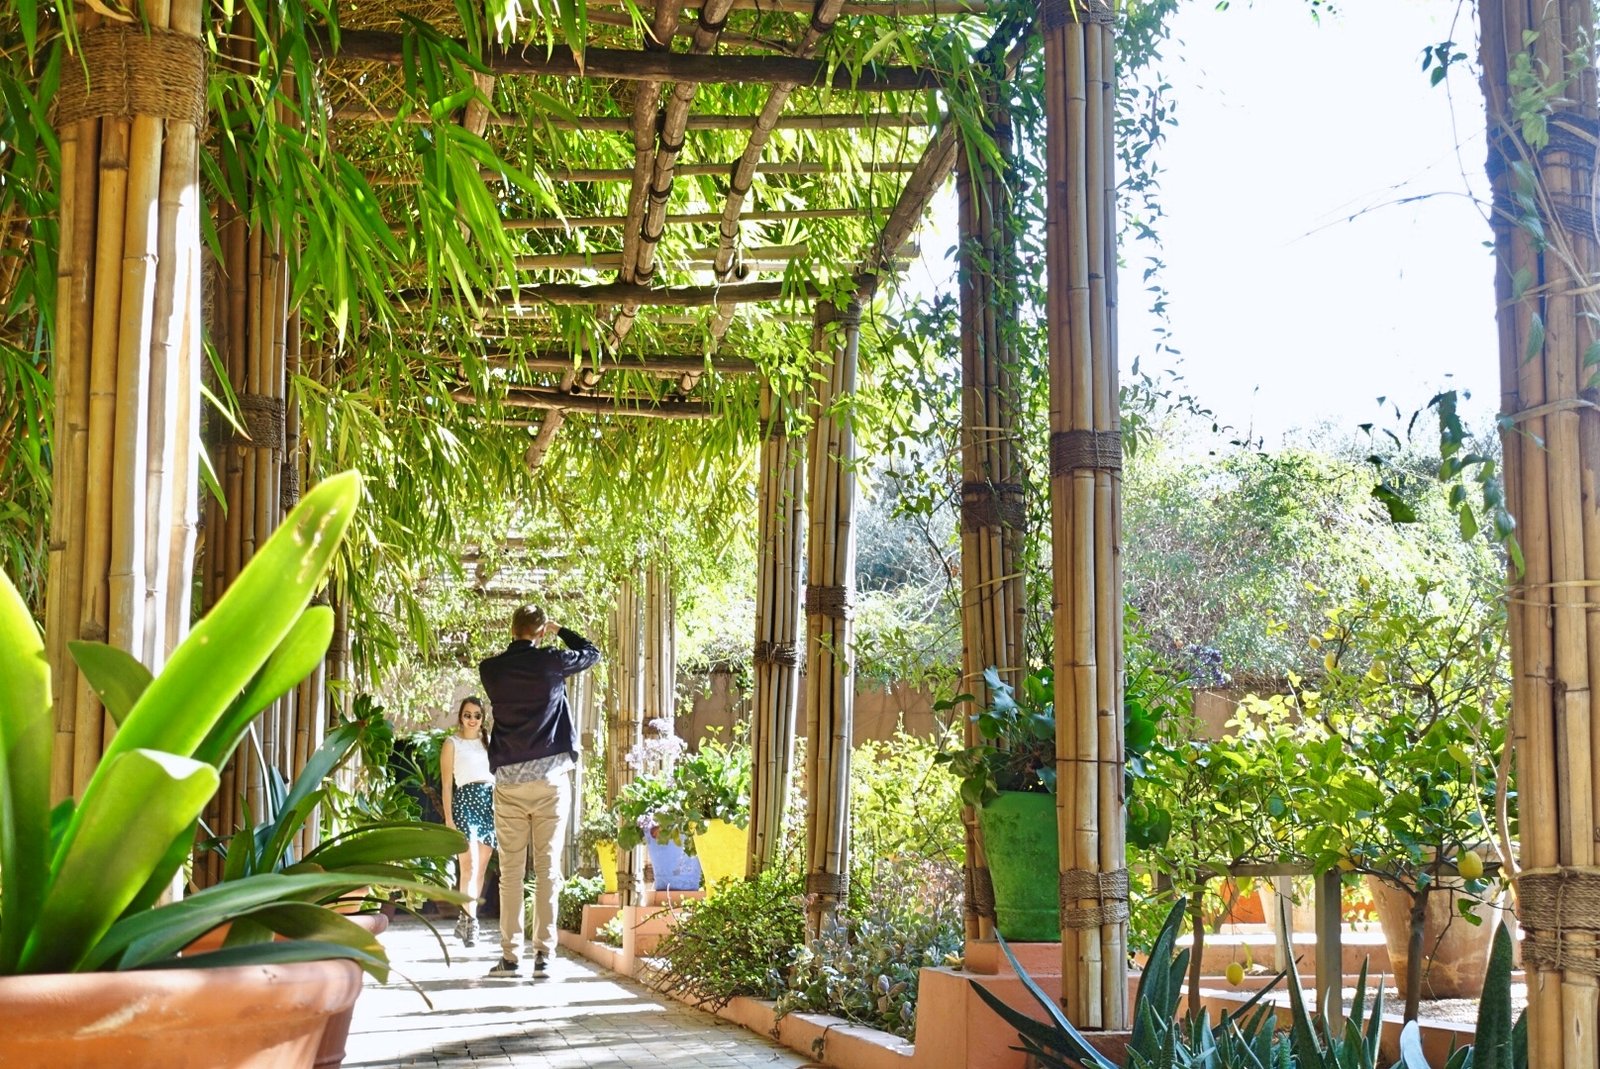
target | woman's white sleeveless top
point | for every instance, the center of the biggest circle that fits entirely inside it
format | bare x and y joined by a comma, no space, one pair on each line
472,761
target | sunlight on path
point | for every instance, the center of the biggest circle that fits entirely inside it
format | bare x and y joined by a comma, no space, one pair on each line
580,1016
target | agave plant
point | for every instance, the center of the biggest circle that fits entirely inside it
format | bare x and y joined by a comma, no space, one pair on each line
81,879
1241,1040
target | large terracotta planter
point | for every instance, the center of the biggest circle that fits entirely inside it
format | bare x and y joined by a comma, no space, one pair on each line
722,849
330,1052
1019,840
242,1017
1456,951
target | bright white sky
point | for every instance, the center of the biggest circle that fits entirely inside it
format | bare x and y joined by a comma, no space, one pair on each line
1289,313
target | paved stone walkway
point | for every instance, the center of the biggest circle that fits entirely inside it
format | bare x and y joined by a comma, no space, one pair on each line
580,1017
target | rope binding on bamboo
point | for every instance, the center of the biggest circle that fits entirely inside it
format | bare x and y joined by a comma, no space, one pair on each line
263,422
835,601
1110,889
1072,451
784,653
830,884
126,71
992,505
982,892
1553,903
1054,14
289,485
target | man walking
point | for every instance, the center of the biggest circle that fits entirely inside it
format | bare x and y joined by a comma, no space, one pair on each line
532,751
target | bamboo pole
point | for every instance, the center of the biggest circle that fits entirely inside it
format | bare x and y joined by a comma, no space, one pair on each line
627,726
887,120
992,494
129,251
780,511
1552,446
830,569
1085,488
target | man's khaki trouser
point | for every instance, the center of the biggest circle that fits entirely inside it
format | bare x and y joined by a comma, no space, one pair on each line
530,820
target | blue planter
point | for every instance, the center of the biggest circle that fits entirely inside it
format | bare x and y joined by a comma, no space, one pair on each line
675,870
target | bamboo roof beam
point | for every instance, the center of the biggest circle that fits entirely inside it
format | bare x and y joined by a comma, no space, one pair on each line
645,107
567,293
825,14
655,364
618,124
623,174
641,266
895,9
776,256
620,64
574,222
556,400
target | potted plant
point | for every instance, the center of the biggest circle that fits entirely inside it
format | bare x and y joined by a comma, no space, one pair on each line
82,938
645,805
597,837
1400,745
1010,779
714,809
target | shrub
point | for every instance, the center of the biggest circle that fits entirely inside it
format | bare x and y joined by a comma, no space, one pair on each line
577,892
741,941
865,968
610,933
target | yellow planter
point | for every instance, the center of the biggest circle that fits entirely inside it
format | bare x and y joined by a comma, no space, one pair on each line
606,855
722,851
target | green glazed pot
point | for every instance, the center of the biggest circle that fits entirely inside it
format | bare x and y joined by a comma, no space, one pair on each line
1019,837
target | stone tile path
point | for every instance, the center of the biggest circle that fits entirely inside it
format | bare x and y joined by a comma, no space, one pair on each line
580,1017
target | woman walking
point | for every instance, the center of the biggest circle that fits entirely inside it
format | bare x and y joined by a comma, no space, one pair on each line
469,807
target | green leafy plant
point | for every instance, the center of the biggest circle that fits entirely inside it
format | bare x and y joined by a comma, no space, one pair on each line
82,878
713,783
577,892
740,941
403,850
640,806
1399,747
610,933
1018,750
866,967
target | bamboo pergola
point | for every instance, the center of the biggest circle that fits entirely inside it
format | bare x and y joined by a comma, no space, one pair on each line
621,294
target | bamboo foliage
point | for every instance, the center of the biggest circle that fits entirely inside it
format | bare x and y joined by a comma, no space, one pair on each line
830,571
1085,509
1542,167
780,512
127,346
992,596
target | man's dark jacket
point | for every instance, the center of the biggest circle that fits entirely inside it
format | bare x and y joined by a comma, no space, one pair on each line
527,689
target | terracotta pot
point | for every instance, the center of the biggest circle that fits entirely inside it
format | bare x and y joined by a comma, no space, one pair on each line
330,1053
241,1017
1456,951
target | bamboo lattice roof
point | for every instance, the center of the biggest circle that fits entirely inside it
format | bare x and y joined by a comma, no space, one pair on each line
698,177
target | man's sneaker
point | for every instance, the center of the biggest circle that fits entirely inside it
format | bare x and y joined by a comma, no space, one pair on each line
541,964
505,967
469,937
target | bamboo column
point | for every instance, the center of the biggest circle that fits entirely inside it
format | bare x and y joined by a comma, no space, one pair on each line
127,346
660,646
992,509
831,573
1546,309
1085,510
628,724
780,509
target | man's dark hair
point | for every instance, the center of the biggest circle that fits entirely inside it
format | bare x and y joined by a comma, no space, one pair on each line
526,620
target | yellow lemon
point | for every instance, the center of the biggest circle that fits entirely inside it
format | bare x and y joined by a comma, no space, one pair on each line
1470,865
1235,973
1328,661
1314,642
1346,865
